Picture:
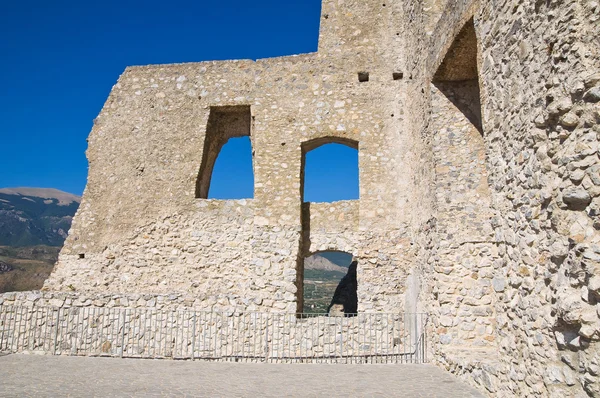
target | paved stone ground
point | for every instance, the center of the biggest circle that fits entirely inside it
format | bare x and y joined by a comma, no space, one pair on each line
51,376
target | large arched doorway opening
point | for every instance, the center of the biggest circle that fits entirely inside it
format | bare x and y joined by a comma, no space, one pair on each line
329,175
330,283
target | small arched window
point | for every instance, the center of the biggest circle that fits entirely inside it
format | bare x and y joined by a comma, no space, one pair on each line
330,170
226,170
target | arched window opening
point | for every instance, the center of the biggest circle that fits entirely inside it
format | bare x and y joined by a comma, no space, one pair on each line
330,170
232,176
330,284
457,77
226,170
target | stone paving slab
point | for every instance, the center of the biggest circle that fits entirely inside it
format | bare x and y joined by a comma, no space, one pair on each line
52,376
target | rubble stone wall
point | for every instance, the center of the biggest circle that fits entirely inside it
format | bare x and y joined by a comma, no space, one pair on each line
141,228
537,266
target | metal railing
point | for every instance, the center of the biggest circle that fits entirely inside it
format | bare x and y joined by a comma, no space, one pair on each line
217,336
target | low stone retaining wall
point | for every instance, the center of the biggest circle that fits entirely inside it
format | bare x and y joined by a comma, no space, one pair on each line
160,327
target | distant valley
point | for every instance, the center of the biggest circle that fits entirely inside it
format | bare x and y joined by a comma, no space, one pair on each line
322,273
34,223
26,268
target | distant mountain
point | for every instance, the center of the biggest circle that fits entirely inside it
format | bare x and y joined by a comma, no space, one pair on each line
320,263
339,258
35,216
322,274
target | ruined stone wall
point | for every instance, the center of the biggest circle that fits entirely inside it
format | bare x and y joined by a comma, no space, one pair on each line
537,62
479,194
331,225
141,227
543,133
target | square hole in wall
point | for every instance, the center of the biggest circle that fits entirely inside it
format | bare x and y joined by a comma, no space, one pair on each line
397,75
363,77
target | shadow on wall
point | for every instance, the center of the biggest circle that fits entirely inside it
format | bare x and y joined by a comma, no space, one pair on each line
465,96
345,298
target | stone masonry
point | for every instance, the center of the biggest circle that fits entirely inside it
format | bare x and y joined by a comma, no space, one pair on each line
477,127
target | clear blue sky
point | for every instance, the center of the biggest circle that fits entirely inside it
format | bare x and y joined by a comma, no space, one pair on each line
61,58
331,172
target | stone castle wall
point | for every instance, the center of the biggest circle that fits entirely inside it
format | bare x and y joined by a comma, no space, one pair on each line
479,182
141,227
515,294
